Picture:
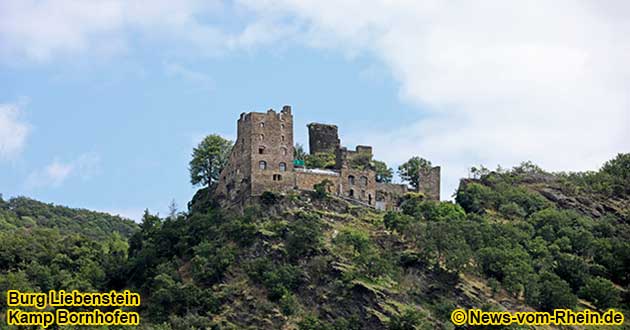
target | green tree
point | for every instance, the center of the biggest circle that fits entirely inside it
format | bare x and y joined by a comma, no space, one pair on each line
383,172
619,170
208,159
410,171
601,292
551,292
298,152
320,160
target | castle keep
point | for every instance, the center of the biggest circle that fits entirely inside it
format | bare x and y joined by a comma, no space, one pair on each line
262,160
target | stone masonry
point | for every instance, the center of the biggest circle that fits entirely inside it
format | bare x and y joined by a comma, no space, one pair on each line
262,160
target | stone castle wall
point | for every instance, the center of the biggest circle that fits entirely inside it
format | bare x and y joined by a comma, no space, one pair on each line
430,183
307,179
323,138
262,160
388,195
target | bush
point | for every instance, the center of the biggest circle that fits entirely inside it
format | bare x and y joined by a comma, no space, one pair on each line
269,198
321,188
601,292
409,319
512,210
320,160
551,292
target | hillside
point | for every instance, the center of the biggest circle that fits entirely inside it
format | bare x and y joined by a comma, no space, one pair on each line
519,239
23,212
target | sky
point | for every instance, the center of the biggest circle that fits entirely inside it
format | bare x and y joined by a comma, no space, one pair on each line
101,102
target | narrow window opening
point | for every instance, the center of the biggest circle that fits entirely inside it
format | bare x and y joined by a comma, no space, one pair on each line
283,167
262,165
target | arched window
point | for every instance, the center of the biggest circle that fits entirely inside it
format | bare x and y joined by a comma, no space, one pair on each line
262,137
284,151
351,193
262,124
363,180
262,165
277,177
282,126
282,137
283,167
261,150
351,180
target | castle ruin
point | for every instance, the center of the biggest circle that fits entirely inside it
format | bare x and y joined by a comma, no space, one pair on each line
262,159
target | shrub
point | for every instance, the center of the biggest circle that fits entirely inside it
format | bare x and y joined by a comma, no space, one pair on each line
320,160
269,198
601,292
409,319
321,188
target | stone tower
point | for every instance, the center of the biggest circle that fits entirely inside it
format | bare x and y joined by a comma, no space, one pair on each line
323,138
262,157
429,183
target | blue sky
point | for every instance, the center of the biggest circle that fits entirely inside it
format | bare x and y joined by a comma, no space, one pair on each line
102,102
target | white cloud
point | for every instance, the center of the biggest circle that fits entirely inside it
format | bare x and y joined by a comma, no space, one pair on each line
503,81
199,80
13,131
42,30
57,172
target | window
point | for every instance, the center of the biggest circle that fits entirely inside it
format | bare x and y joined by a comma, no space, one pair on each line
282,137
351,193
351,180
262,137
283,167
277,177
284,151
262,165
261,150
262,125
362,193
282,126
363,180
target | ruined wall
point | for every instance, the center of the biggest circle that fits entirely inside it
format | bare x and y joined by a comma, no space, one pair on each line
430,183
323,138
306,179
388,195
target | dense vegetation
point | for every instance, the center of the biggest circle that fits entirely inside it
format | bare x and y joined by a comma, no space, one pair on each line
514,239
45,247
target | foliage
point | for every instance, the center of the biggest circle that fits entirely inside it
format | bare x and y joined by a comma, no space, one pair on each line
361,161
320,160
321,188
601,292
409,319
208,160
384,173
410,170
269,198
23,212
215,268
298,152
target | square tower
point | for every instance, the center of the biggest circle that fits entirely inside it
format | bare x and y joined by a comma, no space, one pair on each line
262,157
